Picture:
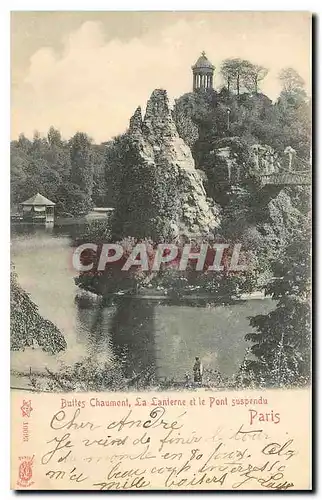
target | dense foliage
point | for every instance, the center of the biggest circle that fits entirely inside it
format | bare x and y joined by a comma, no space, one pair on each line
281,343
27,327
145,199
70,173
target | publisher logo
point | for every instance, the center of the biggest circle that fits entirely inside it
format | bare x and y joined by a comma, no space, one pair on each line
26,408
25,471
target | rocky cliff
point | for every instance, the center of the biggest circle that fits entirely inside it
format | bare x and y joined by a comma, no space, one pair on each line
165,164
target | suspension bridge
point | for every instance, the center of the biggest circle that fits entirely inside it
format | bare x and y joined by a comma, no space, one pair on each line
286,178
297,173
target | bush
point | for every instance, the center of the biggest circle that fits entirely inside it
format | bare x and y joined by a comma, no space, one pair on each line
27,327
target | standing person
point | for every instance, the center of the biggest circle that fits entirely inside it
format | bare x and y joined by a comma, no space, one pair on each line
197,371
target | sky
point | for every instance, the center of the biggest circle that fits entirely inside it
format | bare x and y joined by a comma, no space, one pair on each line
88,71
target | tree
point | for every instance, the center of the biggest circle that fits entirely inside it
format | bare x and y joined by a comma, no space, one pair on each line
291,81
54,137
254,74
281,345
18,175
23,143
147,197
100,194
82,168
183,114
227,73
71,199
234,72
293,111
45,165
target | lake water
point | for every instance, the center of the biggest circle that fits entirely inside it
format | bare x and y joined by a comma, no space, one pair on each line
140,332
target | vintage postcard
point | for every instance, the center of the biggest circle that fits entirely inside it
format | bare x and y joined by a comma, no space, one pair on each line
161,251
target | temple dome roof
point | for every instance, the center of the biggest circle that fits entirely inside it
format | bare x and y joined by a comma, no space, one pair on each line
203,62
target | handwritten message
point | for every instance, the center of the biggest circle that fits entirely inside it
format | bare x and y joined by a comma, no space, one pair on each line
193,440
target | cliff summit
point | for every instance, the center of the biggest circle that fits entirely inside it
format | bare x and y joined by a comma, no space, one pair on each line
158,145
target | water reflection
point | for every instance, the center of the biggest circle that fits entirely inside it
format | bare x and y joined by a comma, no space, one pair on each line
122,333
145,335
132,334
92,330
140,334
29,229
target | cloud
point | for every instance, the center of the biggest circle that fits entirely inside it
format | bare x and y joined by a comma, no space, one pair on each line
94,84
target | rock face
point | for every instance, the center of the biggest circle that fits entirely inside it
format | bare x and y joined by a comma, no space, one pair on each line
170,162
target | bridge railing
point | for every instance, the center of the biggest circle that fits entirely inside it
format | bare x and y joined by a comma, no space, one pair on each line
286,178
